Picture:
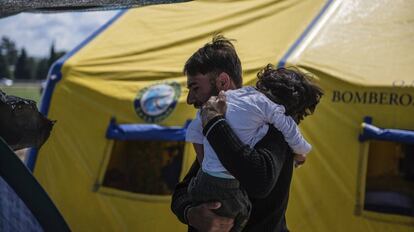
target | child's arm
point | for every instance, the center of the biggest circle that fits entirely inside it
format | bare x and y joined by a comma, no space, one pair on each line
290,131
275,114
199,149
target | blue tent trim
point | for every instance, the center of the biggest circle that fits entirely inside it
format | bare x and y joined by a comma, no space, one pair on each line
284,59
55,75
145,132
396,135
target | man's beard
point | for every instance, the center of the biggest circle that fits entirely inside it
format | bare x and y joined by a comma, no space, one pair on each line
214,92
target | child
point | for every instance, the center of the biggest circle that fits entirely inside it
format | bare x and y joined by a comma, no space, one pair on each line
278,93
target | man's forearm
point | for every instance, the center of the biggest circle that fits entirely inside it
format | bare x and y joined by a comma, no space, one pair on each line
257,169
180,198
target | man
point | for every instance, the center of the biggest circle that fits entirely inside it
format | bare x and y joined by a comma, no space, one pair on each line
265,172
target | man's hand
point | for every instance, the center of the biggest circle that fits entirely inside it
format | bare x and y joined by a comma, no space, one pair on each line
204,219
215,106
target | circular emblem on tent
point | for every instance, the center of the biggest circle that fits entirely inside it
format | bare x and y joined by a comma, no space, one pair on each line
154,103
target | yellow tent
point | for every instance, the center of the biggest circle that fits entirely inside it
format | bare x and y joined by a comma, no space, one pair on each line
362,54
119,98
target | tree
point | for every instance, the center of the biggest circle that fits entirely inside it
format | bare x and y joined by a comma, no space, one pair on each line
22,70
31,65
54,56
9,49
42,69
4,67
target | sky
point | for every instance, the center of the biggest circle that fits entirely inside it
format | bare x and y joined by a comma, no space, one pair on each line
36,32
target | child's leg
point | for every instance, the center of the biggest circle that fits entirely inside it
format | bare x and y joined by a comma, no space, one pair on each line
234,201
237,207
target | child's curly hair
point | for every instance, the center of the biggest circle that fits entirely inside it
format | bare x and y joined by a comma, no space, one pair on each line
291,88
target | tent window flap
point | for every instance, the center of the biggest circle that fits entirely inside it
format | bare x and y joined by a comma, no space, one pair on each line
389,178
144,158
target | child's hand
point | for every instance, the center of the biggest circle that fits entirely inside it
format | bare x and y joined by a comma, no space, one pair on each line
215,106
299,160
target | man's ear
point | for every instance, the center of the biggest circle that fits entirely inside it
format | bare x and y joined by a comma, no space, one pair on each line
224,82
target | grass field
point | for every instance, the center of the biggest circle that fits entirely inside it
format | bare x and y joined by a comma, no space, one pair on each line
25,90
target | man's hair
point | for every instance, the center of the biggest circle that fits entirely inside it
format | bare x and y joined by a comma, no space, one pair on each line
215,57
291,88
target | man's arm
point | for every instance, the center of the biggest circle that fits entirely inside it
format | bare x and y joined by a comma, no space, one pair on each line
257,168
180,198
201,216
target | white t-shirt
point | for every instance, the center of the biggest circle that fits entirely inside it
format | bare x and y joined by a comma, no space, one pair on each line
248,113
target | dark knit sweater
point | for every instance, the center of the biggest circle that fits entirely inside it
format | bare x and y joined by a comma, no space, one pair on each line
265,172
